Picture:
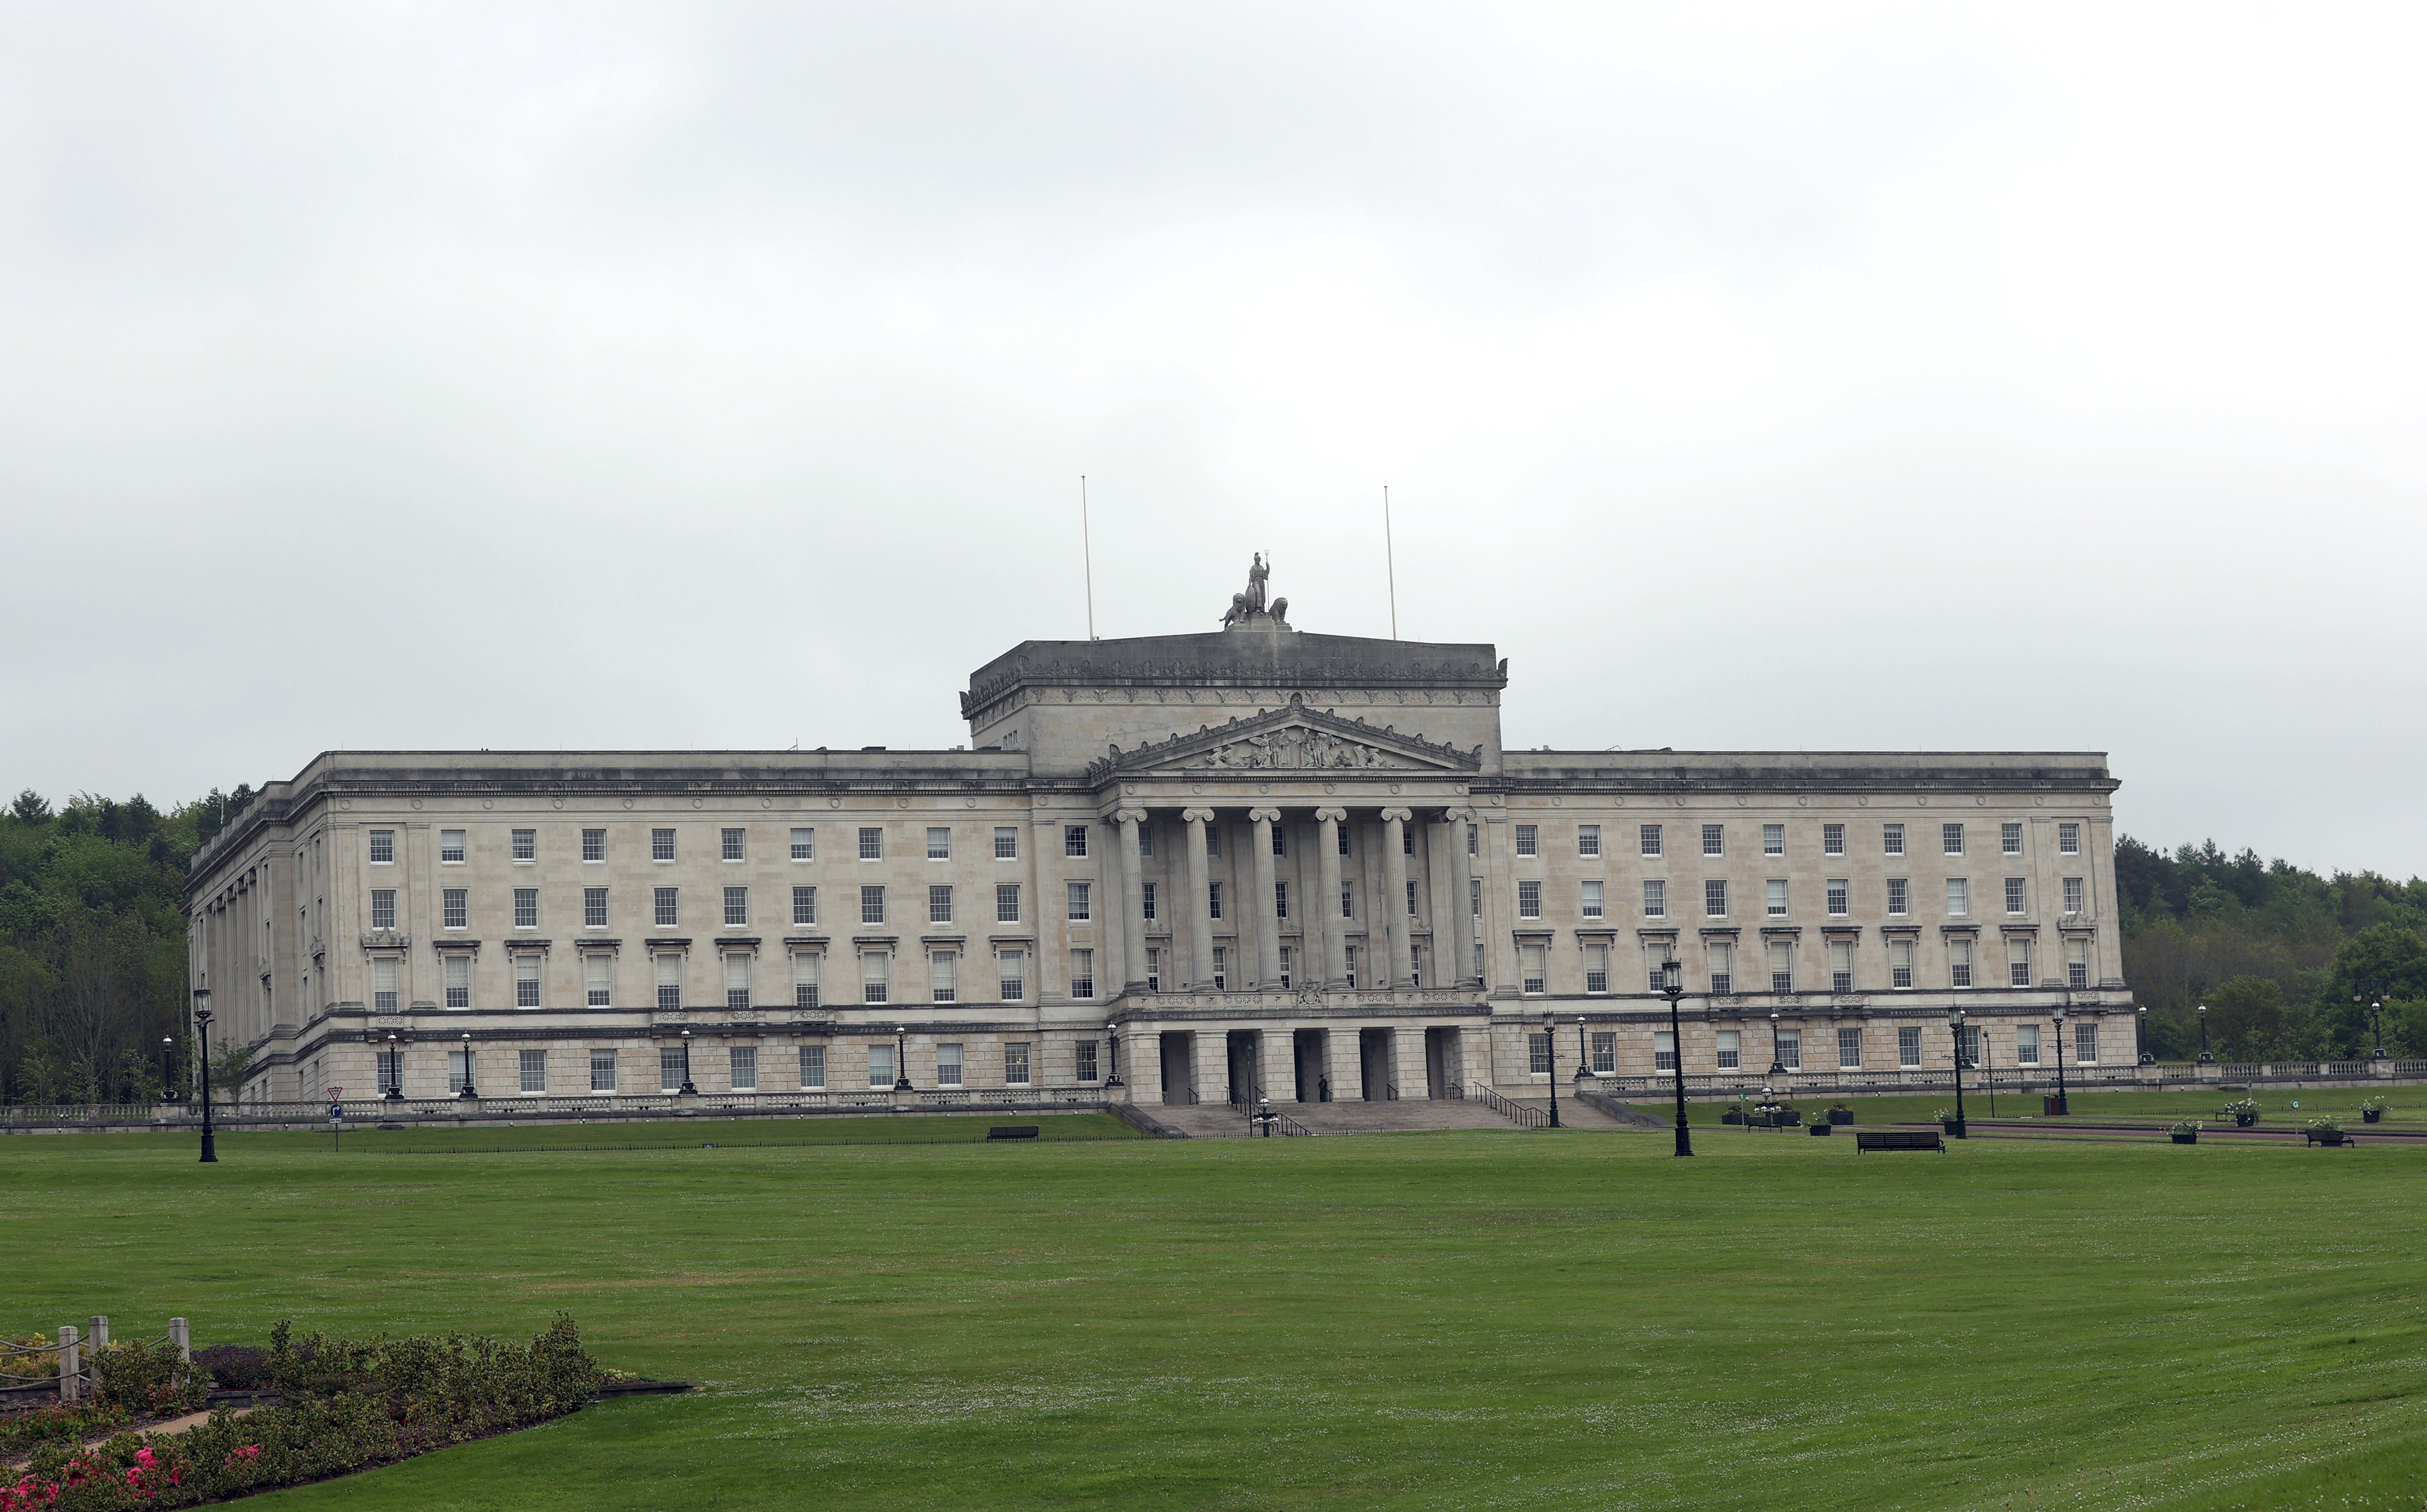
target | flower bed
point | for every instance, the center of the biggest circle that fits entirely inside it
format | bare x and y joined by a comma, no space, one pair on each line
346,1406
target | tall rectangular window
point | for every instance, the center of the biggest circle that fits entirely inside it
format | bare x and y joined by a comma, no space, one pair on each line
593,847
455,908
1832,839
1288,961
669,983
2018,960
451,847
1213,839
871,909
526,908
459,983
1841,966
1604,1052
1221,969
1790,1049
1958,962
1727,1049
2015,895
532,1064
526,845
940,902
2085,1044
741,1062
1781,967
525,981
2075,895
876,977
808,987
940,842
733,844
1015,1064
383,994
1849,1049
1589,903
1534,968
1006,902
1714,839
804,905
593,908
1084,1061
1774,839
598,980
1343,846
1006,842
1664,1049
1648,837
1074,840
1529,900
1407,840
2076,963
737,979
1840,893
670,1068
1281,840
1081,899
1655,897
1723,976
1148,901
813,1068
737,907
1529,839
1901,963
1951,838
1908,1048
1715,899
1011,974
1474,897
944,975
1146,839
602,1071
1587,839
1959,897
1898,897
2027,1045
1411,897
383,908
1774,897
1280,900
1213,900
1348,900
1892,840
1537,1053
880,1066
804,843
2068,839
661,845
2009,840
1596,968
872,843
1083,974
948,1065
383,848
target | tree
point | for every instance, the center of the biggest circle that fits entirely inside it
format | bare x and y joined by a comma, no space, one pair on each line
2381,962
30,807
2245,1019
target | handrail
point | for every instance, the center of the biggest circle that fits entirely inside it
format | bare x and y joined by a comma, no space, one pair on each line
1515,1113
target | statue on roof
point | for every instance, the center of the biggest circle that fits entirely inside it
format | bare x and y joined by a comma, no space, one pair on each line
1249,608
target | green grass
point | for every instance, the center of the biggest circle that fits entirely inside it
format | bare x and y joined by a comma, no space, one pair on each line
1461,1320
2406,1110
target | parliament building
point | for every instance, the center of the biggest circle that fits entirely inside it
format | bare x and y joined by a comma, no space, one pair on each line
1253,862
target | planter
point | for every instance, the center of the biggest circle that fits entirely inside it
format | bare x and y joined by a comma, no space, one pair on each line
2245,1120
2372,1115
1952,1126
2184,1139
1841,1116
2328,1137
1824,1129
1730,1116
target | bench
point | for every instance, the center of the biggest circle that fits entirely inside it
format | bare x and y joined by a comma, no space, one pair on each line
2321,1137
1012,1131
1899,1139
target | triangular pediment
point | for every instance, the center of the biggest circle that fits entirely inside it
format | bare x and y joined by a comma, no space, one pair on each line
1295,738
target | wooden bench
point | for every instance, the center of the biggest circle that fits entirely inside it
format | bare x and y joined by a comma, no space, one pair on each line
1012,1131
1899,1139
2320,1136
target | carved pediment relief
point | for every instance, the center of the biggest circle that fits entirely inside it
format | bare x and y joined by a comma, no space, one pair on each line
1295,738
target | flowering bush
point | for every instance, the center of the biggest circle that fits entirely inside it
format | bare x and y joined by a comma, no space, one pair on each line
2326,1125
44,1360
2375,1105
2189,1126
2243,1111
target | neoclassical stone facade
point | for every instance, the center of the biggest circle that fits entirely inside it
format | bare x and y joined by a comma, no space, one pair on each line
1253,861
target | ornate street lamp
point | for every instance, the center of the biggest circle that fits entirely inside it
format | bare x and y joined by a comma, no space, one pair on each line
1777,1066
1955,1027
202,1023
1672,986
470,1092
2206,1058
1584,1062
901,1058
395,1091
2059,1106
1550,1026
1265,1116
2376,1018
2141,1034
167,1069
1112,1056
688,1090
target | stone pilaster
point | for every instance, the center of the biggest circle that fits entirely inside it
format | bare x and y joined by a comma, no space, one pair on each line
1261,907
1201,916
1454,926
1133,967
1393,910
1327,908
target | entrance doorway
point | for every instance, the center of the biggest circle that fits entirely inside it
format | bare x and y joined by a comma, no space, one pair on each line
1306,1051
1247,1048
1441,1062
1179,1068
1373,1063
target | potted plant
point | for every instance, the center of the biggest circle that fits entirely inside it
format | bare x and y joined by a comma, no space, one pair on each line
1823,1123
1840,1113
2371,1111
2326,1130
2186,1133
1945,1118
2243,1111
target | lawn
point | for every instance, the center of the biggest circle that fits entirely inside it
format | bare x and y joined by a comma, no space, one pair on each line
1457,1320
2407,1108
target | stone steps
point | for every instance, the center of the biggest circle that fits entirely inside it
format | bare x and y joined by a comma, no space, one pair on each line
1218,1121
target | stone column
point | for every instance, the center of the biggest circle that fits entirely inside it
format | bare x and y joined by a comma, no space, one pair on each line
1459,926
1327,908
1394,905
1499,907
1132,977
1200,916
1260,908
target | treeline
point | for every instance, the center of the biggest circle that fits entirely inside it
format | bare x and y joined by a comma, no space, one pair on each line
92,944
2286,961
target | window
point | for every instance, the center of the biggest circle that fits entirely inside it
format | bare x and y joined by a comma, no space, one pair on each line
533,1066
940,902
1083,974
940,842
1909,1049
1280,840
1280,900
1790,1049
1006,842
1901,963
1529,900
1587,839
662,910
948,1065
1849,1049
731,844
1350,954
1147,901
2018,960
804,905
2085,1044
1474,897
526,908
1084,1059
525,981
1781,967
661,845
602,1070
743,1062
876,977
1841,966
737,907
1838,890
1588,901
1081,896
1221,969
1714,839
1146,839
1011,974
1154,968
872,905
1951,838
2074,895
2068,839
1534,968
1408,839
1664,1050
880,1066
1774,839
1898,897
1832,839
2027,1045
2009,840
2015,895
1596,968
384,998
454,908
1411,897
1344,838
670,1068
1892,840
383,908
1015,1064
2076,963
872,843
1968,1045
526,845
1006,902
1648,837
1473,840
451,847
593,908
1287,961
593,847
813,1068
383,848
459,983
598,980
806,984
804,844
1537,1053
1529,839
1213,900
1348,900
1074,840
737,980
1715,899
1729,1049
1724,978
1959,963
1213,839
669,979
1774,897
1959,897
1655,899
1604,1052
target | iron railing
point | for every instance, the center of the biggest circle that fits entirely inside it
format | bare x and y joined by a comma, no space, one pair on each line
1516,1112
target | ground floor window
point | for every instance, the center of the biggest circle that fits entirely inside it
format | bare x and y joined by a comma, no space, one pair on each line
1731,1049
2085,1044
391,1070
744,1063
1087,1061
602,1070
534,1071
813,1068
670,1068
1968,1044
2027,1045
1790,1049
948,1065
1605,1053
1909,1049
1664,1050
880,1066
1849,1049
459,1070
1538,1054
1015,1065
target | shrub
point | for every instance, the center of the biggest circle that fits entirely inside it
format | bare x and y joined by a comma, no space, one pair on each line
2375,1105
145,1377
2326,1125
2189,1126
236,1367
1941,1115
2241,1108
44,1361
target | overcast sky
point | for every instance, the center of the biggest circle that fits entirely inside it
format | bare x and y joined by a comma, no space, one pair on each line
718,376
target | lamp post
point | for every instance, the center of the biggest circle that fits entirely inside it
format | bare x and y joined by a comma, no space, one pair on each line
1112,1056
395,1091
167,1069
1955,1027
1584,1062
901,1058
688,1090
2376,1019
1265,1116
1672,986
1550,1026
203,1025
2059,1106
1777,1066
2141,1034
2206,1058
472,1092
